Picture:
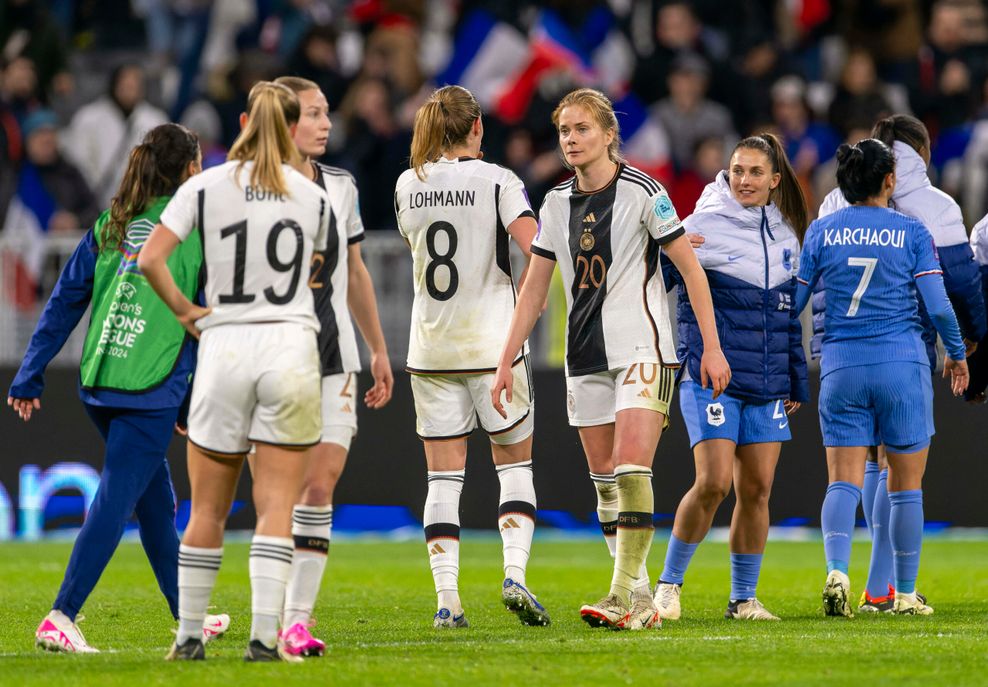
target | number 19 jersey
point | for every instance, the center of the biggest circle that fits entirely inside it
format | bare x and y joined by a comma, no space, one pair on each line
257,245
455,222
869,259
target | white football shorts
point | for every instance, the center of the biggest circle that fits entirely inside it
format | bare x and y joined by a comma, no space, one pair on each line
339,409
256,382
595,399
449,406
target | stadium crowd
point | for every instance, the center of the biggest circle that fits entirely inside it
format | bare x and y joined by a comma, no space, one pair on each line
689,78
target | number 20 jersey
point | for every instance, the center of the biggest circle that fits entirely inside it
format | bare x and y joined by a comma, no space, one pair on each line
455,222
607,246
869,259
257,246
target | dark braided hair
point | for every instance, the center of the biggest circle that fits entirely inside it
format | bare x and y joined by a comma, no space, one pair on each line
156,168
862,168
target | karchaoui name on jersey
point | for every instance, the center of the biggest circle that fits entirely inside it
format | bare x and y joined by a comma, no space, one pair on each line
864,236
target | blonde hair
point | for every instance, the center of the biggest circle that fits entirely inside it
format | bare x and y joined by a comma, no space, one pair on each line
601,111
266,140
297,84
443,121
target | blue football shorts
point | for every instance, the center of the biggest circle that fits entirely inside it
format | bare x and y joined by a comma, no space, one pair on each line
727,417
888,403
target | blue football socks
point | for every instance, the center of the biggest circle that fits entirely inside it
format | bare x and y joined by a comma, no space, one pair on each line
906,531
837,522
880,569
868,491
678,557
744,575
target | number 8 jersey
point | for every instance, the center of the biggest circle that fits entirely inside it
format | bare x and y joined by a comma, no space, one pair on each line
257,245
456,223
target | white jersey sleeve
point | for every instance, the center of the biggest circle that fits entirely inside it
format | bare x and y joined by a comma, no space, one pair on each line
182,212
660,217
513,201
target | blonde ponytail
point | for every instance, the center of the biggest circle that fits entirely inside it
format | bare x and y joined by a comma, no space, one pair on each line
442,123
266,139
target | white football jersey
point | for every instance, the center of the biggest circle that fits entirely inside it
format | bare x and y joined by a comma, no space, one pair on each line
330,271
607,246
456,225
257,245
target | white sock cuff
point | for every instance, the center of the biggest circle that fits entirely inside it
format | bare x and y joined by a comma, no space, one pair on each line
602,477
312,515
630,469
276,548
197,557
502,469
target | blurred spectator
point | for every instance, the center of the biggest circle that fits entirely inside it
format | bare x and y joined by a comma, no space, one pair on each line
942,89
50,196
228,94
539,171
49,186
891,29
19,88
686,114
376,151
975,170
27,29
825,176
316,59
749,88
858,101
102,133
709,158
677,30
287,21
201,118
808,143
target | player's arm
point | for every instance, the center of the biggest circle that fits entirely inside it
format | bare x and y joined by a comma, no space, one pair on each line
523,231
67,305
527,311
938,306
713,364
363,306
153,263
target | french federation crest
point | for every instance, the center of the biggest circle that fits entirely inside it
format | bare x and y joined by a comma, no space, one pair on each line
715,414
787,259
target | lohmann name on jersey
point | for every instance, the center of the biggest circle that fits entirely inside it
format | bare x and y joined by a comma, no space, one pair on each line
430,199
864,236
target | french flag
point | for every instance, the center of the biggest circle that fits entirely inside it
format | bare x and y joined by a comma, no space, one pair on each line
489,58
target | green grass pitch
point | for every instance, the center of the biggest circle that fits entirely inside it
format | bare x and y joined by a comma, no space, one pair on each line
376,608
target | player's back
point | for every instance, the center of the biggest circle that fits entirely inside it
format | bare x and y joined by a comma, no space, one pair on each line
869,259
257,244
455,222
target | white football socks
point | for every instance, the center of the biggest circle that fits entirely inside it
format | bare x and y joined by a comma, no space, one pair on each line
270,566
442,535
197,571
516,517
312,527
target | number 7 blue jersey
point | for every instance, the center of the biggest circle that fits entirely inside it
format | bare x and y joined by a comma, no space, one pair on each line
869,259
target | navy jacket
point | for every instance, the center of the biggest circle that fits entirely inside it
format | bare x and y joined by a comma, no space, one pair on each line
750,256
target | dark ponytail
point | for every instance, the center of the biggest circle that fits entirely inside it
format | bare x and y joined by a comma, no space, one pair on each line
788,195
156,168
862,168
901,127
